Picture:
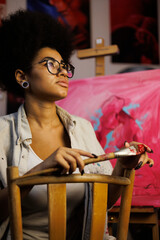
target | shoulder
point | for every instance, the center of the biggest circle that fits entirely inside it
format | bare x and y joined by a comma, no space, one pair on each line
7,129
82,121
72,120
11,120
83,126
7,120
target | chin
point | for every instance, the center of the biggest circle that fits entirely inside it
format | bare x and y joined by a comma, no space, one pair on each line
63,94
60,96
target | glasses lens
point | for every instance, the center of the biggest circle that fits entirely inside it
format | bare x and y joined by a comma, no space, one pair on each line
53,66
70,70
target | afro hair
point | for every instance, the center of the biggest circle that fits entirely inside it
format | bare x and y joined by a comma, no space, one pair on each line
22,35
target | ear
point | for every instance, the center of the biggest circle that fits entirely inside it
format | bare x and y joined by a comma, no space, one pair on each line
20,76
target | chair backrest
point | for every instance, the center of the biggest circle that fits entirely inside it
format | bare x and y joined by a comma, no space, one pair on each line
57,201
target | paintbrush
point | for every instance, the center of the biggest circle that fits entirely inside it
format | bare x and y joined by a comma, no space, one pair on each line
124,152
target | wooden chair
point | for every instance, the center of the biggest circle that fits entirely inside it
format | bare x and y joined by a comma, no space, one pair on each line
57,201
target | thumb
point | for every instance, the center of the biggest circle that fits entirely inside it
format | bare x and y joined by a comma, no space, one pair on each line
126,144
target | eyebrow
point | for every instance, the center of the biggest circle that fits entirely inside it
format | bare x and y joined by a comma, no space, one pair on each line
51,58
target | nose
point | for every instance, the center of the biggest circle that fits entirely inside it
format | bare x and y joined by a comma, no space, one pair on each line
63,71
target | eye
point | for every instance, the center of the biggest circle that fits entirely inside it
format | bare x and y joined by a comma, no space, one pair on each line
51,63
64,65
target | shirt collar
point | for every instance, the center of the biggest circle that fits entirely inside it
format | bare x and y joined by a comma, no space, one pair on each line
68,120
23,128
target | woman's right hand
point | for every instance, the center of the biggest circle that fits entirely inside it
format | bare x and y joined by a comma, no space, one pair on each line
66,158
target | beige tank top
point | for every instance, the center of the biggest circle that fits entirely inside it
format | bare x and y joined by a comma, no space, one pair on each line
34,207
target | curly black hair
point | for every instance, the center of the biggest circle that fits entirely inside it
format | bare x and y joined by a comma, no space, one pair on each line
22,35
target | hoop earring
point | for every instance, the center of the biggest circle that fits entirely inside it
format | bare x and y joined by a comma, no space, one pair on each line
25,84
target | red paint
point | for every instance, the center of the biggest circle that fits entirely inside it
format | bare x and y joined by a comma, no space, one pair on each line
132,150
141,149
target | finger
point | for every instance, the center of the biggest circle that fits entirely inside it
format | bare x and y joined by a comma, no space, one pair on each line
64,171
148,149
147,160
68,156
126,144
71,161
78,160
80,163
73,157
83,153
143,160
150,162
138,165
63,163
94,155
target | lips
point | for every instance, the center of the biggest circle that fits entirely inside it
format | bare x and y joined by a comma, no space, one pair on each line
63,83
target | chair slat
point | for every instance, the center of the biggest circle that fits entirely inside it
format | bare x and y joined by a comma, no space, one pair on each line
57,202
14,204
57,211
99,209
125,206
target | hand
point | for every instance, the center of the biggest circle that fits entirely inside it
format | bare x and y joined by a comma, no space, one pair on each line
66,158
137,161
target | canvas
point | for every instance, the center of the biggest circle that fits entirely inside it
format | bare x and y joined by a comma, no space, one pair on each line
123,107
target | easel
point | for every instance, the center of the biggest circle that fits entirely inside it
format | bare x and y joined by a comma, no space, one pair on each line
99,53
139,215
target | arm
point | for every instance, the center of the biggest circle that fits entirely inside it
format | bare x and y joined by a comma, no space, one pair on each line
66,158
114,191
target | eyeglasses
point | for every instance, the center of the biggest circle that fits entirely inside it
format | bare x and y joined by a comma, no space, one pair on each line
54,67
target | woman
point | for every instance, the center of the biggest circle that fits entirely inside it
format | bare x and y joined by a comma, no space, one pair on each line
34,62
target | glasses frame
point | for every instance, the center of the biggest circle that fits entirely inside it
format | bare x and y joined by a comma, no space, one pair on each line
62,64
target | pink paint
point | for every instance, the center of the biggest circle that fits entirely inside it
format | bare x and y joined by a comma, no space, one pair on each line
123,107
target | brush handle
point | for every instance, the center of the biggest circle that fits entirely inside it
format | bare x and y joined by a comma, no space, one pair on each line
125,152
100,158
56,171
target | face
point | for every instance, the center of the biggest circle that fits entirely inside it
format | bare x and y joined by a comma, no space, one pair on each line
42,83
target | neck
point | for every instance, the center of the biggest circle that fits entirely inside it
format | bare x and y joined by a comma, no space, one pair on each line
40,113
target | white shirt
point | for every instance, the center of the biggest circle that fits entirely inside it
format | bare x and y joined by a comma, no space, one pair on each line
16,138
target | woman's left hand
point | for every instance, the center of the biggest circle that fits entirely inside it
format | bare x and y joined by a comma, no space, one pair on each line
137,161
